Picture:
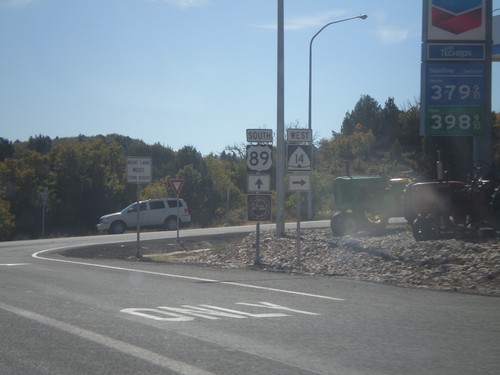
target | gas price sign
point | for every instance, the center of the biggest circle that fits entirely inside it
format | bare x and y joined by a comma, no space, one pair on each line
454,98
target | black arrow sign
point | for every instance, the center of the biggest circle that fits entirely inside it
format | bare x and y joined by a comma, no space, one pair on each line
301,182
259,183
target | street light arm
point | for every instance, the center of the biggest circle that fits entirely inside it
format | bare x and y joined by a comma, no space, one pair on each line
361,16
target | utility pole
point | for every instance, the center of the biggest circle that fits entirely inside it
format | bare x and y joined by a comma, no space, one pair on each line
280,127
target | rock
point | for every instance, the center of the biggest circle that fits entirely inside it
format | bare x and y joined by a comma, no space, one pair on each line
447,264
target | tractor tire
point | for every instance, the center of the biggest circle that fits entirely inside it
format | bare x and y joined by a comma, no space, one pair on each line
344,224
425,229
375,222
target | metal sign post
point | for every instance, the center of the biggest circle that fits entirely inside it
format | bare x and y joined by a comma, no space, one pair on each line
177,185
297,241
139,170
138,252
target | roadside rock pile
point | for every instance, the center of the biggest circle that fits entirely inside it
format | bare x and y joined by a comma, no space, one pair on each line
471,266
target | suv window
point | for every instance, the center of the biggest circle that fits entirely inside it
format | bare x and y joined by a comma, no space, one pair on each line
156,205
133,208
173,203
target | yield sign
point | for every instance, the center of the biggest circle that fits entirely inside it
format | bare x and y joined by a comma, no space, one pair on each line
177,185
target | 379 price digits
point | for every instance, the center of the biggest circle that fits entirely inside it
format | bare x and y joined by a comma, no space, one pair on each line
451,92
454,121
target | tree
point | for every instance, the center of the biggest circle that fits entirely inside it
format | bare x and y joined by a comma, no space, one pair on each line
6,149
22,180
225,193
41,144
366,112
7,220
88,179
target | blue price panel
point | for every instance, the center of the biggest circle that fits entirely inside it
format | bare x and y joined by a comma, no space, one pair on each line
454,84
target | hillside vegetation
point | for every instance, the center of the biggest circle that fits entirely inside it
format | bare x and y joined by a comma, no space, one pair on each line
86,178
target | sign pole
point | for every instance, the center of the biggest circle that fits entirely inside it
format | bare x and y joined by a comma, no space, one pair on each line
138,253
178,221
297,241
257,243
177,185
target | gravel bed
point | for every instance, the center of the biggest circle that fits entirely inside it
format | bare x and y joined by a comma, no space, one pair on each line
470,266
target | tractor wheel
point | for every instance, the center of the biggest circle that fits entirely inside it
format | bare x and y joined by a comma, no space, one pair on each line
344,224
425,229
433,229
376,222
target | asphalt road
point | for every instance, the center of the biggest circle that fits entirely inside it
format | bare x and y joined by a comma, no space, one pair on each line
62,315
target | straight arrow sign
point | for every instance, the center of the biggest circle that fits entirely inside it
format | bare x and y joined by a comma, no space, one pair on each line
259,183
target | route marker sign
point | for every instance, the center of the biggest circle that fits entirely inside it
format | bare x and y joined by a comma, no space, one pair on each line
299,157
259,158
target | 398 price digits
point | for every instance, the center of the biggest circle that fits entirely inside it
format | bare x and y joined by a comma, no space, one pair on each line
455,121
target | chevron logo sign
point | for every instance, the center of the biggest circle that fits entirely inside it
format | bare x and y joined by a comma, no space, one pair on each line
457,16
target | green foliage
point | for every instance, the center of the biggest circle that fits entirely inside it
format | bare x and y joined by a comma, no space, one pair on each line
86,176
6,149
7,221
22,181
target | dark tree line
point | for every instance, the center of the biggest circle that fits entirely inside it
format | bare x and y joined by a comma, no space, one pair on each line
86,177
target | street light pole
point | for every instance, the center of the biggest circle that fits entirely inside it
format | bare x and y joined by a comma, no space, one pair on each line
309,117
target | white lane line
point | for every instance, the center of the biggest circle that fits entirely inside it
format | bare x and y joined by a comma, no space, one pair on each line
123,347
14,264
38,256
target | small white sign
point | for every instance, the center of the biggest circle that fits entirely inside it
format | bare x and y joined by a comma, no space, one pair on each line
259,182
139,169
299,182
299,135
259,135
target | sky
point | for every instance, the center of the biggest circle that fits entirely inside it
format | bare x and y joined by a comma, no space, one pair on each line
200,72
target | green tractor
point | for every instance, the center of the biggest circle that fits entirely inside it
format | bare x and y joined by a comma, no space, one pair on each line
366,203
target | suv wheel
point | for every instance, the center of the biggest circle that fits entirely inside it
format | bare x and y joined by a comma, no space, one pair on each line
118,227
171,223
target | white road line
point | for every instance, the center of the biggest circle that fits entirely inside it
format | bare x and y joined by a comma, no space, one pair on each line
123,347
14,264
38,256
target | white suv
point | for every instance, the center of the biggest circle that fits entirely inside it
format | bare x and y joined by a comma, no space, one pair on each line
153,213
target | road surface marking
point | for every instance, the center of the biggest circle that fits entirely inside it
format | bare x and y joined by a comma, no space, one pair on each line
178,314
38,255
14,264
123,347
